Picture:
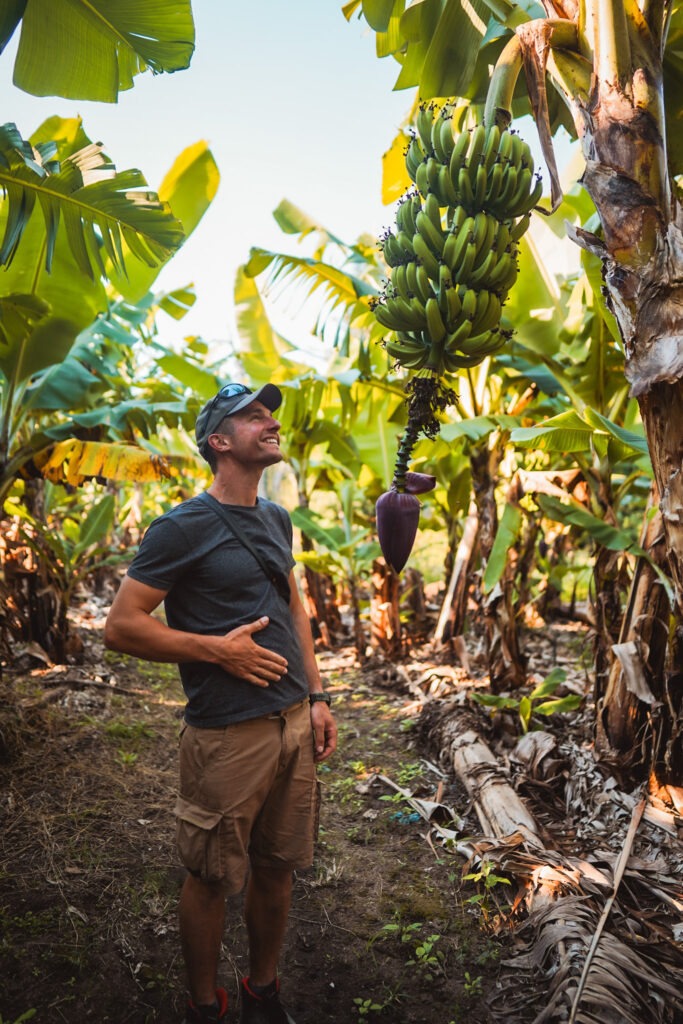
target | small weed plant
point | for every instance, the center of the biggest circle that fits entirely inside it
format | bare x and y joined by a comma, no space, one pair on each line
535,703
484,876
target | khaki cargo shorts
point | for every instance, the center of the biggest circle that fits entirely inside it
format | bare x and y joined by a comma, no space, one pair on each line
248,792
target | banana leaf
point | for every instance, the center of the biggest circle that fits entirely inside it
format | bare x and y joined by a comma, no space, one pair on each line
92,49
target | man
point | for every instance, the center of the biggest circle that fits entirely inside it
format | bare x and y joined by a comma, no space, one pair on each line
256,718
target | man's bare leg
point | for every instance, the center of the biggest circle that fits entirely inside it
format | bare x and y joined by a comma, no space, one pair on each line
268,897
202,915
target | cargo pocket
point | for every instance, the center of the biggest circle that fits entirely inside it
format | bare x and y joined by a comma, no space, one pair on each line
198,839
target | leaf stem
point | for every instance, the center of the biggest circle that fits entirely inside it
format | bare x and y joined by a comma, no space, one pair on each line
502,85
611,42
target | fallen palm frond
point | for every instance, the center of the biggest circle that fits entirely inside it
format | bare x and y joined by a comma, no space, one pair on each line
599,945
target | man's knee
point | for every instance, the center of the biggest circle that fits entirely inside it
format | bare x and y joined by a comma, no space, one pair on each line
201,892
271,880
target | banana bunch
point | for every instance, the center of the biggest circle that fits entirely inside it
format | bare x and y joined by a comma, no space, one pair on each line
482,170
451,271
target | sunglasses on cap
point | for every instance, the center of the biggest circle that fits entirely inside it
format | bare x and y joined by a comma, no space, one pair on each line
227,391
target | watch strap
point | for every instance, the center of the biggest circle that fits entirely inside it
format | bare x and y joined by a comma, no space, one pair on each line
313,698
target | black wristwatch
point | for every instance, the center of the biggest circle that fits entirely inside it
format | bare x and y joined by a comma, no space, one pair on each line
313,697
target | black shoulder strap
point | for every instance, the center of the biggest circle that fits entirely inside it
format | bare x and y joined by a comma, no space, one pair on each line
276,576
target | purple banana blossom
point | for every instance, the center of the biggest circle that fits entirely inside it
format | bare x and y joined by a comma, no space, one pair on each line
419,483
398,515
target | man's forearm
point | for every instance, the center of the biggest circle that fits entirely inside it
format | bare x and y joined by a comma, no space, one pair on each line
145,636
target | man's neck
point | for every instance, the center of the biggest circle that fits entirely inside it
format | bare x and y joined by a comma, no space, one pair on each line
235,488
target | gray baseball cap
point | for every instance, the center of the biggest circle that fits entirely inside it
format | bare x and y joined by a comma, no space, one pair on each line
231,399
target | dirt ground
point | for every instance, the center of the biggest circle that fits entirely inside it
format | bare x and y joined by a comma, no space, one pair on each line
382,926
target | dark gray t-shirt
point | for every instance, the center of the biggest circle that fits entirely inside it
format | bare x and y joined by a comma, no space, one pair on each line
214,585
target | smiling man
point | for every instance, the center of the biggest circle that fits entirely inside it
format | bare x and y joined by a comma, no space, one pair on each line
256,720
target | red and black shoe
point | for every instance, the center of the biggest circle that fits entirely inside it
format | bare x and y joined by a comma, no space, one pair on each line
208,1014
262,1009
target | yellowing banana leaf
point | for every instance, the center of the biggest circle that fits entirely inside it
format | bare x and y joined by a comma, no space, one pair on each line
91,49
395,178
293,221
260,348
74,461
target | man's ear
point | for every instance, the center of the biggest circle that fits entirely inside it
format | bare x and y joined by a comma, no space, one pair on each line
219,442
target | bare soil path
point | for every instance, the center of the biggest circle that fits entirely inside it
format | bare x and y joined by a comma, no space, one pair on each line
380,927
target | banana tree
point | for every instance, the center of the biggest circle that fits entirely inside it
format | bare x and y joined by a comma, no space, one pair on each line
615,67
56,312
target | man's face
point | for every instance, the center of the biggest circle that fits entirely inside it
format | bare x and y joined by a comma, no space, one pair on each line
253,438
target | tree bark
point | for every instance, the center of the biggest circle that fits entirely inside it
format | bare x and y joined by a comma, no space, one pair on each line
385,623
626,175
453,610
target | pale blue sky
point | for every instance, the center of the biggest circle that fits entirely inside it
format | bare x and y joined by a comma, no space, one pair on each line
294,103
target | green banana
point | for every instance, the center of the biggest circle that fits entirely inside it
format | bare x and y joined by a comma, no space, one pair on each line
491,146
518,229
494,183
406,243
408,311
393,254
423,122
465,190
476,147
386,318
480,187
411,277
414,157
481,344
505,147
433,210
424,287
500,271
483,232
461,273
446,138
435,324
422,179
480,275
517,152
446,190
400,282
424,253
520,196
458,337
433,168
432,236
490,316
454,307
530,201
509,185
503,238
437,148
458,157
455,243
469,304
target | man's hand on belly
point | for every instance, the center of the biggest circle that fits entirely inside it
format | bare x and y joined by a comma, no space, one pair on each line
241,656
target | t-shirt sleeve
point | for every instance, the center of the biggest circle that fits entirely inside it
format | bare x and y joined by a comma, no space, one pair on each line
162,557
